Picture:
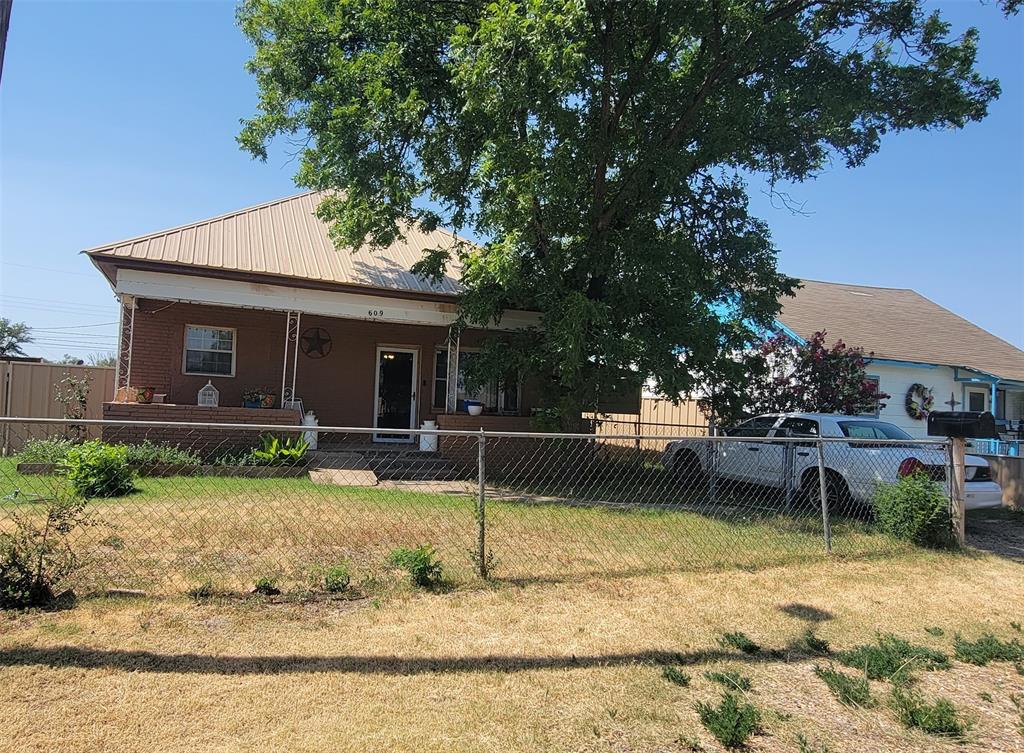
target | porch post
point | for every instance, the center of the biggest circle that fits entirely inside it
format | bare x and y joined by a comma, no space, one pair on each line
995,396
291,340
452,375
125,335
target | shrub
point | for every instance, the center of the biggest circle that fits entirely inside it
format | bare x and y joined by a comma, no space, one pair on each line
740,641
424,569
202,591
815,644
915,509
49,451
280,451
987,649
675,675
939,718
731,680
892,658
266,586
96,469
35,558
732,721
150,453
850,691
332,579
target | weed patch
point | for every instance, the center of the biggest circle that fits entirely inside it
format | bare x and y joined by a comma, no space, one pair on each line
731,680
733,721
815,645
987,649
675,675
424,568
740,641
938,718
892,658
850,691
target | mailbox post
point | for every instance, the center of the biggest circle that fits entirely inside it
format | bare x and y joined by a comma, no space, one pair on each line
960,426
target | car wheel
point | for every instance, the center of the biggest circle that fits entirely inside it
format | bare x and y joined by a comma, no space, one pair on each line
686,468
835,486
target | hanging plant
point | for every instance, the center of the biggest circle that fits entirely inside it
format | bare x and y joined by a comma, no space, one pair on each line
920,401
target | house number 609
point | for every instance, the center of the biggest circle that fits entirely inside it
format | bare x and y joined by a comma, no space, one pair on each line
376,312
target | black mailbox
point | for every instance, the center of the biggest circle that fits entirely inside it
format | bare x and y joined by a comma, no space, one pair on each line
966,424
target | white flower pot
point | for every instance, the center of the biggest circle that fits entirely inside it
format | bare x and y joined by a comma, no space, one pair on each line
475,410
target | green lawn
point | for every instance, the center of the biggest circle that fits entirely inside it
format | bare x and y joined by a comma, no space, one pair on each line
180,531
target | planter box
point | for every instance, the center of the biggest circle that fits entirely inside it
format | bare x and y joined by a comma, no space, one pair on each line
163,470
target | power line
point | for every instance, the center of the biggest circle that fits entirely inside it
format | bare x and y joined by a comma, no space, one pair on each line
72,326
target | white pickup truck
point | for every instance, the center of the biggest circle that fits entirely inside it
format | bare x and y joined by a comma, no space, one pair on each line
853,470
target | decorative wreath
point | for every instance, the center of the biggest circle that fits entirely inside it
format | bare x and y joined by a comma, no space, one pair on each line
920,401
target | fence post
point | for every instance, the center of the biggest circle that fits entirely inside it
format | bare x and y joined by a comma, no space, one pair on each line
958,475
823,491
481,509
787,473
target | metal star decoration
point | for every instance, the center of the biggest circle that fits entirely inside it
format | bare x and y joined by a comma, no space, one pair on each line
315,342
952,402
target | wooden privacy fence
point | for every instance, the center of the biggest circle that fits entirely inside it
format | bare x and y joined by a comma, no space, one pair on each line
28,391
658,418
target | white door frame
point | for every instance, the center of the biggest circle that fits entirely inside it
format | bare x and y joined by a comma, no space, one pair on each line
376,392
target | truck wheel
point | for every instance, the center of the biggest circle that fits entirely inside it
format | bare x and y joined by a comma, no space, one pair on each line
686,468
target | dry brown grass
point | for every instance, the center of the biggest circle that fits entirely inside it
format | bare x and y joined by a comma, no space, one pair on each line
543,667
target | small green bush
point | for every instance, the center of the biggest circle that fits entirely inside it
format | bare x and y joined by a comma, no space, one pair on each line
49,451
915,509
675,675
850,691
266,586
95,469
733,721
731,680
939,718
332,579
150,453
36,557
740,641
279,451
892,658
424,569
815,644
987,649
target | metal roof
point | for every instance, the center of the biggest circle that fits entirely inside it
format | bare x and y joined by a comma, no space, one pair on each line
899,324
284,238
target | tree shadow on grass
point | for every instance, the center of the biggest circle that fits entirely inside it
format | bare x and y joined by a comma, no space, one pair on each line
59,657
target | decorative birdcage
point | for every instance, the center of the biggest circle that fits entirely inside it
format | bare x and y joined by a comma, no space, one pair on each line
209,396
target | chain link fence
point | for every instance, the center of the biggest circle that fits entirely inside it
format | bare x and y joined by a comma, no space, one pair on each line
228,505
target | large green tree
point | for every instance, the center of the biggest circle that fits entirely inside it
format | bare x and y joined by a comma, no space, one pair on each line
13,335
599,151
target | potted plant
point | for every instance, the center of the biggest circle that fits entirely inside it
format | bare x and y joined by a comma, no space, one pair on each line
268,399
144,394
252,398
474,407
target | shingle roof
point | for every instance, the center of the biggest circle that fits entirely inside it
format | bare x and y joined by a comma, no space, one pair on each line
898,324
285,238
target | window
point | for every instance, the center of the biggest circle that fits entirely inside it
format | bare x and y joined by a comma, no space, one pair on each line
209,351
501,396
872,430
876,383
798,427
976,401
755,427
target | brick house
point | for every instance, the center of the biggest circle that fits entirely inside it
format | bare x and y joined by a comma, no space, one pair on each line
260,298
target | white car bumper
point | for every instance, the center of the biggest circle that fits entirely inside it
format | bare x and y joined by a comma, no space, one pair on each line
983,494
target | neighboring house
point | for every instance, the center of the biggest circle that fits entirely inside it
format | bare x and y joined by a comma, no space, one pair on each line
914,342
261,298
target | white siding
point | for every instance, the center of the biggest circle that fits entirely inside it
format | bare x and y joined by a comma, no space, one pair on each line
896,380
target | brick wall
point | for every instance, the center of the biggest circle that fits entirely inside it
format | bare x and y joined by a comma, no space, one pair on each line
339,387
203,441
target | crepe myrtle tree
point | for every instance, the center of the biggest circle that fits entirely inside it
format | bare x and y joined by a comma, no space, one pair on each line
783,376
597,151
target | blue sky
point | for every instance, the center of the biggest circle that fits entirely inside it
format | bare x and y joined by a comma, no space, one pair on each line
119,118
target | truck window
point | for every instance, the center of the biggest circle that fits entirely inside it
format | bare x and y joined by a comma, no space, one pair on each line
872,430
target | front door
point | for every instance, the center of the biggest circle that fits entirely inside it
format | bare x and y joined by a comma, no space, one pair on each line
395,394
